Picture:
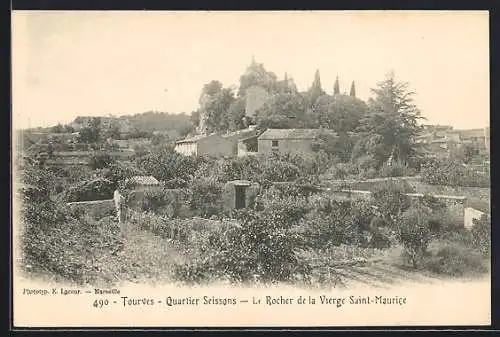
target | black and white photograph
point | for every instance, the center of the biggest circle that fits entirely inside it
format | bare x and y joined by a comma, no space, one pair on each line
339,155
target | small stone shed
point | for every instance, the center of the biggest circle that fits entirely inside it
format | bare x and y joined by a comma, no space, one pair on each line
238,194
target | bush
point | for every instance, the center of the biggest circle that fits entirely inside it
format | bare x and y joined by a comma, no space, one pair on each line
390,200
481,235
414,234
264,243
397,169
167,164
338,171
153,200
94,189
99,160
176,183
277,169
453,174
332,223
456,260
74,248
206,197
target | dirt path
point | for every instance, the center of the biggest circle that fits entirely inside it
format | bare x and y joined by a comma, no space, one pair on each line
149,259
146,258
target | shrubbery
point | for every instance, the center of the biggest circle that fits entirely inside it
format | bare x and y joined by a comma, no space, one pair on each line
453,174
332,223
481,235
94,189
456,260
414,234
206,197
397,169
74,248
390,200
263,245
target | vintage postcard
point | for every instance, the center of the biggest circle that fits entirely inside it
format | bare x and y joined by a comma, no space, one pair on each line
250,169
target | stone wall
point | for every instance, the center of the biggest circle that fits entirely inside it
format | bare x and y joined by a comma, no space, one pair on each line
95,208
174,200
455,205
477,197
469,192
370,184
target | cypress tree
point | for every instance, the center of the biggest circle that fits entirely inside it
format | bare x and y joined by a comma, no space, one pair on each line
353,90
336,87
315,91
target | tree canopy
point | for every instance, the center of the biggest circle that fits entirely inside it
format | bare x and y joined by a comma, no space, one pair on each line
392,122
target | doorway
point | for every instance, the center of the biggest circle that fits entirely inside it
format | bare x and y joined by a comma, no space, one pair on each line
240,197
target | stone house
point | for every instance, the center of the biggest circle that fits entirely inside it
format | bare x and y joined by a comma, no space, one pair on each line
289,140
213,145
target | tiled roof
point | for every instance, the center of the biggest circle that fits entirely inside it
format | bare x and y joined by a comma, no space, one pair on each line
144,180
241,133
194,138
293,133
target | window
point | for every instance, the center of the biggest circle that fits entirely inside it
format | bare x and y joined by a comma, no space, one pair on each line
274,143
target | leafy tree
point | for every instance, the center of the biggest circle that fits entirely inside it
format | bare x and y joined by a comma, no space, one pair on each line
212,88
99,160
391,201
236,114
452,173
325,142
414,233
256,74
151,121
339,113
91,134
206,196
392,123
283,111
215,102
117,172
465,153
113,132
92,189
194,118
57,128
166,164
330,223
337,146
279,170
68,129
352,93
266,243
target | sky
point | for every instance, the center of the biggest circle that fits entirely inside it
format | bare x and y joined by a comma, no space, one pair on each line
76,63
